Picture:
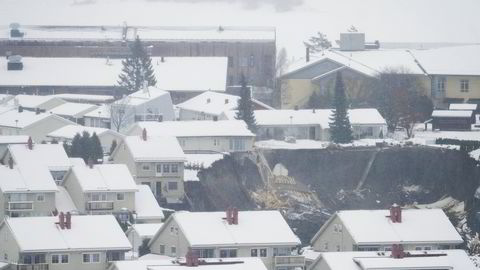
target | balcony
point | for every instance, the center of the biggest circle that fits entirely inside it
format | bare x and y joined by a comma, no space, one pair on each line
39,266
20,206
99,205
289,261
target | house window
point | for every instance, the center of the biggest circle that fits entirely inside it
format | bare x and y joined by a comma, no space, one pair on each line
237,144
251,60
59,258
254,252
263,252
166,168
146,167
325,246
174,168
204,253
91,257
39,258
162,249
120,196
159,168
215,142
5,257
40,197
173,250
228,253
441,84
464,85
172,185
338,248
99,197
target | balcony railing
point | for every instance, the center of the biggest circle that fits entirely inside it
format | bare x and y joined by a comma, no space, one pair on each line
289,261
39,266
20,206
99,205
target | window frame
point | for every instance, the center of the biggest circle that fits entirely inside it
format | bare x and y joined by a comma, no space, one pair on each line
464,85
91,256
122,197
172,183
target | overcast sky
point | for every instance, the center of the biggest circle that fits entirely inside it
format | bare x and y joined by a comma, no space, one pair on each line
295,20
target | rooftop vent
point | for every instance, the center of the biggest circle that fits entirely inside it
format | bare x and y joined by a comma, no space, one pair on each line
30,143
15,63
226,101
208,100
15,31
144,134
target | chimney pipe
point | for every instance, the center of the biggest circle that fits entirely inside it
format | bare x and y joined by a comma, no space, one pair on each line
235,216
229,216
208,100
10,163
30,143
396,213
397,251
307,54
37,111
20,109
144,134
90,162
68,221
61,220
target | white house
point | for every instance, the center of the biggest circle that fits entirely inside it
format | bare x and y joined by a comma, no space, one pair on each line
202,136
212,106
147,209
157,162
102,189
434,259
73,111
138,233
34,124
148,104
315,124
378,230
67,133
233,233
26,190
99,117
51,156
63,242
181,264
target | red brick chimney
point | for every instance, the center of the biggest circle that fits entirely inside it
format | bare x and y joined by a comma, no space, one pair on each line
229,217
397,251
191,259
144,134
10,163
30,143
61,220
235,216
68,221
396,213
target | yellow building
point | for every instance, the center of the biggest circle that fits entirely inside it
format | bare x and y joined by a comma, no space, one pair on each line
447,75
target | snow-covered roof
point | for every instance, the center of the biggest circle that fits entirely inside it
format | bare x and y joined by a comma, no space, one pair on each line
102,111
28,101
463,106
417,226
77,161
315,117
14,139
242,263
254,228
173,74
26,178
445,259
190,175
85,97
144,95
147,33
154,148
69,131
63,201
146,206
15,119
454,60
193,128
5,98
104,177
73,109
97,232
211,103
52,156
147,230
452,113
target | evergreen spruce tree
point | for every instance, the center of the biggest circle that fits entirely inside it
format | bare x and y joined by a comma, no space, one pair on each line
137,69
76,148
245,106
96,148
340,128
87,149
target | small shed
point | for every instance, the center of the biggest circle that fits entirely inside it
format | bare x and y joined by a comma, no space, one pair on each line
452,119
